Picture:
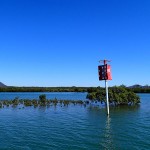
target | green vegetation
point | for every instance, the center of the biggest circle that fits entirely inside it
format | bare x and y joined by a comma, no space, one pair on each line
117,96
43,89
42,101
141,90
136,89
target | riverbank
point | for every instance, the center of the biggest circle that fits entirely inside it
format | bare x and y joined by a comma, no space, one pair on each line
67,89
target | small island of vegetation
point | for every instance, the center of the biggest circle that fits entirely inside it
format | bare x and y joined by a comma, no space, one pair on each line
117,96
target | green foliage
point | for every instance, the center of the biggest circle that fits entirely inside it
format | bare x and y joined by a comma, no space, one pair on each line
93,89
117,96
15,101
1,105
42,98
28,103
20,103
43,89
145,89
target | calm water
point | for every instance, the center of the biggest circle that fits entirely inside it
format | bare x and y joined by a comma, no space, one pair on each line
49,95
76,127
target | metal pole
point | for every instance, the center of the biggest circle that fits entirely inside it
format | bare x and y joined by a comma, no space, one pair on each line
106,86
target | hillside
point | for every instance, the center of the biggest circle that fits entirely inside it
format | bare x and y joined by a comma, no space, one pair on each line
2,85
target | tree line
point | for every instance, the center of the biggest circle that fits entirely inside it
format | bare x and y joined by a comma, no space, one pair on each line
43,89
67,89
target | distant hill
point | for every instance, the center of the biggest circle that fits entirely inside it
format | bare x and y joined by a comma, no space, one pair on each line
139,86
2,84
135,86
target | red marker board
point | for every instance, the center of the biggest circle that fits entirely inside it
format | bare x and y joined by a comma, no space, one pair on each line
104,72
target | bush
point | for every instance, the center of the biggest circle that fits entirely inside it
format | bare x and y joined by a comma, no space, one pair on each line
117,96
42,98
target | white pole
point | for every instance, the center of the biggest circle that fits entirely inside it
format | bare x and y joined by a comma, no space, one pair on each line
106,85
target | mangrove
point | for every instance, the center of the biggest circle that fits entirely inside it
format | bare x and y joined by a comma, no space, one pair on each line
117,96
42,101
135,89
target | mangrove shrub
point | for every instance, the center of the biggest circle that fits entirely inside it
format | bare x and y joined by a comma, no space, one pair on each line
117,96
42,98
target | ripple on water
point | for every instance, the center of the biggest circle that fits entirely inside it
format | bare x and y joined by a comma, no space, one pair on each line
75,128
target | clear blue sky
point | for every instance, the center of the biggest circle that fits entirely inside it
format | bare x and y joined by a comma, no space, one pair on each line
59,42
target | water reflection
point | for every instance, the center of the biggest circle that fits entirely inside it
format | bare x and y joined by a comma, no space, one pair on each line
103,127
108,137
124,110
42,109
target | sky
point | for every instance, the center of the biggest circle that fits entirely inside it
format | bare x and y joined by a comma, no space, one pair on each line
60,42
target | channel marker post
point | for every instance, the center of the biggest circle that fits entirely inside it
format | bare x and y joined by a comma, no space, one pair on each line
104,72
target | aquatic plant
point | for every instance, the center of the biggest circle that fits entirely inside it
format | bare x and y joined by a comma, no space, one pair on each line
66,102
42,99
35,103
1,105
117,96
41,102
28,103
15,102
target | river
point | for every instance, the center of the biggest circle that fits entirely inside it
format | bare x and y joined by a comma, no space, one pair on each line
74,127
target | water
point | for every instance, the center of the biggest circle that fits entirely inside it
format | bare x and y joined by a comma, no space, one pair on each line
49,95
76,128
